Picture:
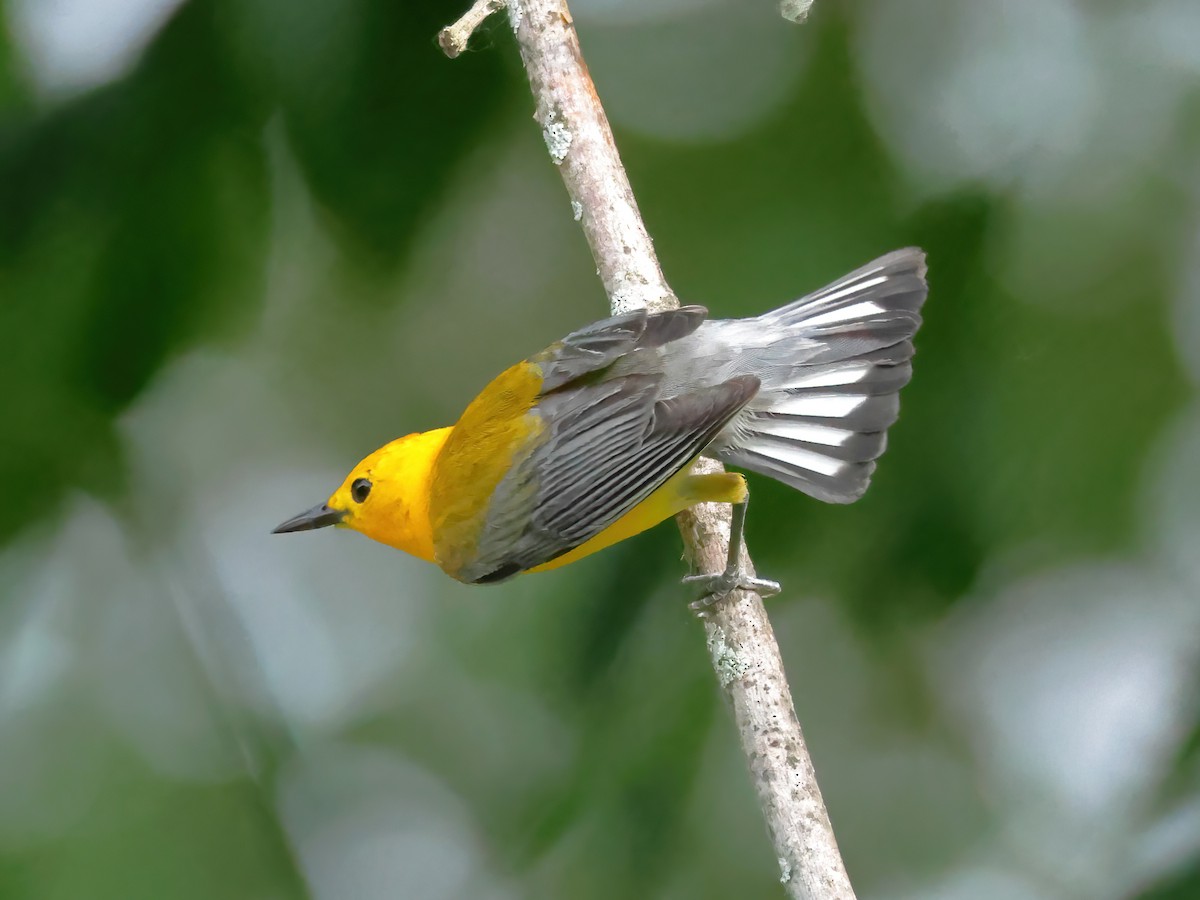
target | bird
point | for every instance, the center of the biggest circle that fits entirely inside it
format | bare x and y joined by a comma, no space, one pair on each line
592,440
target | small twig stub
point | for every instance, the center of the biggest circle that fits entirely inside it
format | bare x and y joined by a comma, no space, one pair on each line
453,39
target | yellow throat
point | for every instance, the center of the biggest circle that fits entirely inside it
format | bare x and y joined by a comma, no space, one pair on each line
396,511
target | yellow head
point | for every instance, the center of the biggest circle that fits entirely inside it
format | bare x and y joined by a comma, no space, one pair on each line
385,497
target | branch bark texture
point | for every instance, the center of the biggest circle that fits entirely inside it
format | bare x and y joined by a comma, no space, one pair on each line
741,642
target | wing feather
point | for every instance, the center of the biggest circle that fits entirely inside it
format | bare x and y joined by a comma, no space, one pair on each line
609,446
597,346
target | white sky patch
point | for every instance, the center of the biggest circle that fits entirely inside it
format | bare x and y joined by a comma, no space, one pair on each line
1074,687
992,90
367,823
35,648
691,71
1070,108
281,618
1165,30
71,45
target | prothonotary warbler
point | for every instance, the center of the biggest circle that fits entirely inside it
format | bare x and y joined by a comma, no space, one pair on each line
590,441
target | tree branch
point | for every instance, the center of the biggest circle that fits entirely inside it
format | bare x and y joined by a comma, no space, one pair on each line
741,642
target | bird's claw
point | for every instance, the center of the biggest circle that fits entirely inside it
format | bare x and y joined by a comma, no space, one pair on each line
717,587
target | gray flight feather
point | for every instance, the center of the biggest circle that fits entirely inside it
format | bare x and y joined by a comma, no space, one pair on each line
821,418
592,348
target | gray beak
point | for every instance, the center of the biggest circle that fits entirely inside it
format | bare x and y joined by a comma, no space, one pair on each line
317,517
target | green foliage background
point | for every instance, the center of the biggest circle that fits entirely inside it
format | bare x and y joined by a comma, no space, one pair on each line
292,231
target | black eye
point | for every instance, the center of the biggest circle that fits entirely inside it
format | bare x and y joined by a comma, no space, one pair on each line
360,489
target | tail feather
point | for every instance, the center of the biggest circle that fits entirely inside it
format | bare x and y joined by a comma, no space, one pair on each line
857,413
845,485
893,283
837,444
820,425
854,377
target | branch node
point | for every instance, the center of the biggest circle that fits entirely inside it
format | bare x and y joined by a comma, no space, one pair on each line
453,39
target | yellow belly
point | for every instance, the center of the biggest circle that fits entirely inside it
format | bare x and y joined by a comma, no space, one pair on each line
681,491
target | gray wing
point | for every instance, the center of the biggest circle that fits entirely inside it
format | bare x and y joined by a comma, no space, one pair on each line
609,442
597,346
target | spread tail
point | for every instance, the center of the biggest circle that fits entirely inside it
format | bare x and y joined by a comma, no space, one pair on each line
818,426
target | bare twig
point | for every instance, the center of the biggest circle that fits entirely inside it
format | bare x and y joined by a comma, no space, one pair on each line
741,642
453,39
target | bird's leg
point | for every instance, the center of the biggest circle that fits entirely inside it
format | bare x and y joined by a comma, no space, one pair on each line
717,587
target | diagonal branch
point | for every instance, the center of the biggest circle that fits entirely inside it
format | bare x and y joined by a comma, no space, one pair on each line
741,641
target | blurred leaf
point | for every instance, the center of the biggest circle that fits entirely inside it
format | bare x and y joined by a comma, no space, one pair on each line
135,224
158,839
136,216
11,92
378,117
629,797
607,614
1181,885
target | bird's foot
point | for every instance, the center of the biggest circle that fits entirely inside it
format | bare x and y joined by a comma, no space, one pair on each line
717,587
